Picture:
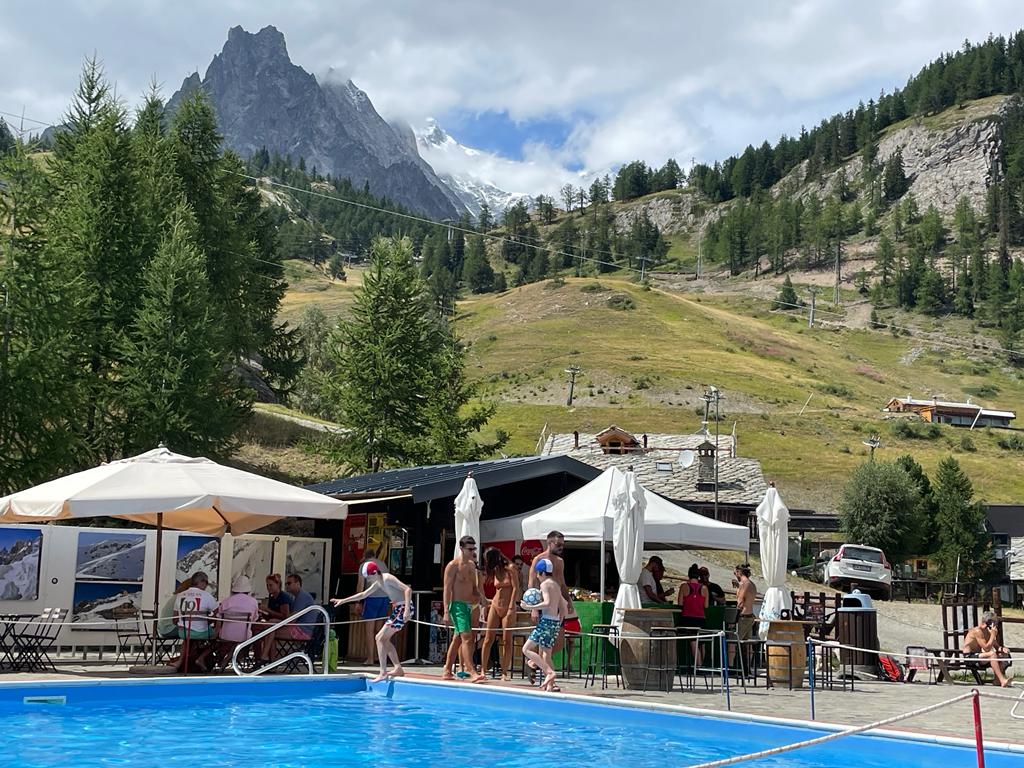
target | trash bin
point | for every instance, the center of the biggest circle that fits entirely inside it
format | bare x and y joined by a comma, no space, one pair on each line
857,625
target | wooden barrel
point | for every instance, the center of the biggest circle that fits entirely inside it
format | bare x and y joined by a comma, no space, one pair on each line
634,648
784,669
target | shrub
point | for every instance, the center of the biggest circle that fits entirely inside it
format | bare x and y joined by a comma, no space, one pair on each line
1011,443
967,445
916,430
621,301
555,282
592,288
834,389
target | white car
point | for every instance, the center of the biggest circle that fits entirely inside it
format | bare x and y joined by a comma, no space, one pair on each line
862,566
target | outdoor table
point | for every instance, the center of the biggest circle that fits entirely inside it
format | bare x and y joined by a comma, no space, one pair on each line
635,646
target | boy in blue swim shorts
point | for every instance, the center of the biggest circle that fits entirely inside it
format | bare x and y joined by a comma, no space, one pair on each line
541,642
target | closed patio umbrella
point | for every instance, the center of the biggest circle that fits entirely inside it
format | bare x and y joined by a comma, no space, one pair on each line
628,505
773,532
468,506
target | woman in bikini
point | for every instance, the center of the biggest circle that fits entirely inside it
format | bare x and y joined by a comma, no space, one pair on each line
500,574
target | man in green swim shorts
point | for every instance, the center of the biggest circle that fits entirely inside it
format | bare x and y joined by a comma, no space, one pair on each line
461,593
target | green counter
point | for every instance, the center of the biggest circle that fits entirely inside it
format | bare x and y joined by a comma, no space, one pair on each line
590,613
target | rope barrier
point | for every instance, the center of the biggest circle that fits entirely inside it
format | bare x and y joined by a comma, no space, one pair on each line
112,624
837,735
927,656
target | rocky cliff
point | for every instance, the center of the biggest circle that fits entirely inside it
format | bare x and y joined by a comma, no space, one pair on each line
263,99
945,157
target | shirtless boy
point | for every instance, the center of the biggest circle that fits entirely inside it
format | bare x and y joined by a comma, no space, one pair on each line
399,595
981,642
461,594
552,609
553,553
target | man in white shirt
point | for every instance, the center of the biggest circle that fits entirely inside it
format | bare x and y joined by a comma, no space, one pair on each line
650,582
192,608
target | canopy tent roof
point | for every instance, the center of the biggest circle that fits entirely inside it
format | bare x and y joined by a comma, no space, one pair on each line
190,494
586,515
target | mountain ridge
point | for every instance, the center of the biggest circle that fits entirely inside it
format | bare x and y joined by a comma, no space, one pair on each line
263,99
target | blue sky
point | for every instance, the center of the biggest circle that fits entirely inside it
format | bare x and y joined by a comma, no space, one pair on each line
548,90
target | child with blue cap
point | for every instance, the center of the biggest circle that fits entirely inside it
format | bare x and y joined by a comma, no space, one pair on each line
541,642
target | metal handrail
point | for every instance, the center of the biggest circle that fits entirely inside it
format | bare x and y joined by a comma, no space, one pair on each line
284,659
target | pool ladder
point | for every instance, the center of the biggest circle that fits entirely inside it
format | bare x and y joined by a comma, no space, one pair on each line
284,659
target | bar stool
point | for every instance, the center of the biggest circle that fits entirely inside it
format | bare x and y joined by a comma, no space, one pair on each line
602,637
657,658
827,651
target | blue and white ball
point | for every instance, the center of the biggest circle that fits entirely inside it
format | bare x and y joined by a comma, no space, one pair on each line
532,596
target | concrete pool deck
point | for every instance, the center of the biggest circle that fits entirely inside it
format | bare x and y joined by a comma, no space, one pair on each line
869,702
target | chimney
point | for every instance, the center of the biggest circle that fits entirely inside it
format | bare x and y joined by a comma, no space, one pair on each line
706,466
575,439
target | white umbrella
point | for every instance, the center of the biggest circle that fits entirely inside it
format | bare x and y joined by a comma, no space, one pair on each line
468,506
628,505
163,488
773,532
169,490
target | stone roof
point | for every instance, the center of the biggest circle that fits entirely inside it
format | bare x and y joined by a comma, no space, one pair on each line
740,481
660,446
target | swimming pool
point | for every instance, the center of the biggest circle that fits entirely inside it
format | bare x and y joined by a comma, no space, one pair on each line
342,721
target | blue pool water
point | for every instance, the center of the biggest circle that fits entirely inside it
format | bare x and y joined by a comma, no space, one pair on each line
339,722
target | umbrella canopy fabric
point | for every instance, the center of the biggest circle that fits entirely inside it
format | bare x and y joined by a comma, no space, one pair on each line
468,506
773,532
164,488
587,515
628,505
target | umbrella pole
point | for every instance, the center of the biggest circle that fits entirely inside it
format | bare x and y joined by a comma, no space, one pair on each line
601,556
156,586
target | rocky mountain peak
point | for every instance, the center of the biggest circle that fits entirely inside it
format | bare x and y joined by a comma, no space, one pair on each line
268,43
263,99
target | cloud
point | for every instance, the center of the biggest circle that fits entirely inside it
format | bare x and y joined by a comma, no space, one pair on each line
649,81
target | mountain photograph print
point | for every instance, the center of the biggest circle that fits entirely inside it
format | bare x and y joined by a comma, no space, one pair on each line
20,550
109,556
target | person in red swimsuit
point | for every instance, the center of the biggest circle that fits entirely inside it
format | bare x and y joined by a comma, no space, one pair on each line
693,599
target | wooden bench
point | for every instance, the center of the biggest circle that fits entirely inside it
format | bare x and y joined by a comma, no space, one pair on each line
959,616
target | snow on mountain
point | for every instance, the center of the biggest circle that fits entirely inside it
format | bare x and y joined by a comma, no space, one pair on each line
306,558
119,557
19,570
204,559
466,171
102,609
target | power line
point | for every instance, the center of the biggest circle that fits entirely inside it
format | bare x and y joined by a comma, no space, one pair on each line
432,222
497,238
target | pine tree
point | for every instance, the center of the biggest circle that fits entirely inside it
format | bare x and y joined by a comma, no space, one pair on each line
180,387
484,222
787,298
477,273
959,522
41,386
397,380
885,262
381,359
95,230
894,178
930,296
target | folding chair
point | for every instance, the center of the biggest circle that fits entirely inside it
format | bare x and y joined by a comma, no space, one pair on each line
131,633
37,638
225,648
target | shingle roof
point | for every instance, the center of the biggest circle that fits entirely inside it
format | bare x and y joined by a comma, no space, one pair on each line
442,480
661,446
1007,519
740,481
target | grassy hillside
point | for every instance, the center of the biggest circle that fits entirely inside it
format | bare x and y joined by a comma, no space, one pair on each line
644,368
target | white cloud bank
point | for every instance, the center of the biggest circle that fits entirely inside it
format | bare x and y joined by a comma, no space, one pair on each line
656,79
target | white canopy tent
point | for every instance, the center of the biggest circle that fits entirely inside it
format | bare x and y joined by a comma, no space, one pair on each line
587,515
